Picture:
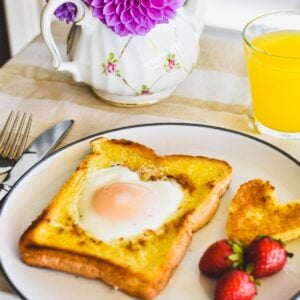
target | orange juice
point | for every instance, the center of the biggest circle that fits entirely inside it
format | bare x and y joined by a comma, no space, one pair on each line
273,61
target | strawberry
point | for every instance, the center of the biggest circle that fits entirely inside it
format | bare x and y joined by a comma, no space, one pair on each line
220,257
235,285
265,256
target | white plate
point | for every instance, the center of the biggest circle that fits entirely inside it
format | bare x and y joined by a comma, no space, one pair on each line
249,157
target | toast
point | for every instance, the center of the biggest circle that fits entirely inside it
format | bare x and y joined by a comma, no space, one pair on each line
255,211
142,264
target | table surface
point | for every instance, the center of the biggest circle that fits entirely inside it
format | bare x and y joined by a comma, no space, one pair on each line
216,93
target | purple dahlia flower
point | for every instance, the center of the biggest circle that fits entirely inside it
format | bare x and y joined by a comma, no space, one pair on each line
66,12
134,17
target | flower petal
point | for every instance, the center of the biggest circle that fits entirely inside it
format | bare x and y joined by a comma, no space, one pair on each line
135,17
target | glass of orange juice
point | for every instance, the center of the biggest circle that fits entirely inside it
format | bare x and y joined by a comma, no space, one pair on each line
272,47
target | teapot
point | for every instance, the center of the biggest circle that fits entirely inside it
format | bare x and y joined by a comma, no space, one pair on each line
128,70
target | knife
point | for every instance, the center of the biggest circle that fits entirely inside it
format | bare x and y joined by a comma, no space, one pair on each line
37,150
296,296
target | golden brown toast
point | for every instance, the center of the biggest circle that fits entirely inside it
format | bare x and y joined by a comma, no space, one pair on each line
255,211
140,265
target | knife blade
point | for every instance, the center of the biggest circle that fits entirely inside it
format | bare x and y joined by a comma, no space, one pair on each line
296,296
37,150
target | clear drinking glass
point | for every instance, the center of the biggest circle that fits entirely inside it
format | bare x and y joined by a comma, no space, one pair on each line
272,47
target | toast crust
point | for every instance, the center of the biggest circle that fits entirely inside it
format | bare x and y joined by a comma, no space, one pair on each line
255,211
178,231
118,277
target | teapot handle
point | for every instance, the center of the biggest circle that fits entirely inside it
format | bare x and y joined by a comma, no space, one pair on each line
46,20
194,12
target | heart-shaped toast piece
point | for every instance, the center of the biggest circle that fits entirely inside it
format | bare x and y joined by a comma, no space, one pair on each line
255,211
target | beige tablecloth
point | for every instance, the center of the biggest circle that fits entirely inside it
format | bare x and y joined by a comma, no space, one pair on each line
216,93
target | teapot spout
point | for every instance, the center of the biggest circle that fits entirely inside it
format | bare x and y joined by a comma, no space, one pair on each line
194,12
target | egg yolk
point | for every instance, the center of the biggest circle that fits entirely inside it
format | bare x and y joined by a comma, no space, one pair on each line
123,201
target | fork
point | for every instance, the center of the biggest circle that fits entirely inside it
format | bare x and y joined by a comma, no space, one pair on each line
13,139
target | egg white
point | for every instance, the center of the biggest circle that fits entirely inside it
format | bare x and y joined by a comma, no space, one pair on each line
168,196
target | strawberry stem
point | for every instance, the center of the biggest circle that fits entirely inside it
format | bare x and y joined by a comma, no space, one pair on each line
237,256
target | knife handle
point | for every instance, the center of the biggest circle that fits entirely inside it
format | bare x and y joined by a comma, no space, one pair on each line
4,189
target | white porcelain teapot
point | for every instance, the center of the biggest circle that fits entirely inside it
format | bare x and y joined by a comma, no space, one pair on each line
131,70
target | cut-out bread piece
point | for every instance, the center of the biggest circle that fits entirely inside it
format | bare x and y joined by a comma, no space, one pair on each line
140,265
255,211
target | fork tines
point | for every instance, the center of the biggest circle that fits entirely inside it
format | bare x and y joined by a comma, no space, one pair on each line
13,138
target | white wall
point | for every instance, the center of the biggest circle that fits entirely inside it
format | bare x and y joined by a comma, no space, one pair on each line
23,20
234,14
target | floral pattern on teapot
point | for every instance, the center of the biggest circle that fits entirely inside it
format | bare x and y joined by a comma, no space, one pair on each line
129,70
110,67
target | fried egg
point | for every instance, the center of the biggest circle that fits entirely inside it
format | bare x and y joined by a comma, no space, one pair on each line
116,203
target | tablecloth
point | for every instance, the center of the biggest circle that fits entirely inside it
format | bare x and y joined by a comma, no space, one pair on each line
216,93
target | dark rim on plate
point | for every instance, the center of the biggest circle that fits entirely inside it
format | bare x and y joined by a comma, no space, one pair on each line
297,162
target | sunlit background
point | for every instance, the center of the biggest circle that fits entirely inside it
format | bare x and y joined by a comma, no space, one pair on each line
20,19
